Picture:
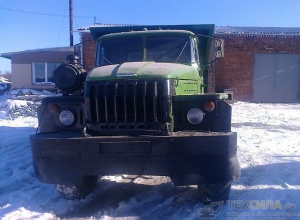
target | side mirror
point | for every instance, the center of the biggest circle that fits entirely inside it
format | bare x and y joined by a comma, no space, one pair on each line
219,48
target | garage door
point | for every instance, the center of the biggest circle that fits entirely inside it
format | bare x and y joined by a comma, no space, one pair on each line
276,78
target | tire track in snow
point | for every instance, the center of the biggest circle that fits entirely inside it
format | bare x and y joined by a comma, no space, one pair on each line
120,199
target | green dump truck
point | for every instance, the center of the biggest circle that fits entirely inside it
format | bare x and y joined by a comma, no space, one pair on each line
143,110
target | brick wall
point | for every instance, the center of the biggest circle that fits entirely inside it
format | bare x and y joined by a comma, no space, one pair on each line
89,50
235,70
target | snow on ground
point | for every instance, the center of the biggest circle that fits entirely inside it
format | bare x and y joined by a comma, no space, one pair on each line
268,151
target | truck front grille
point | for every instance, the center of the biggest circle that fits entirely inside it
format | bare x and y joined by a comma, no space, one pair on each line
128,104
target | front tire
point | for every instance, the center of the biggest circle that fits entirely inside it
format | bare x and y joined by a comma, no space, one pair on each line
214,192
87,185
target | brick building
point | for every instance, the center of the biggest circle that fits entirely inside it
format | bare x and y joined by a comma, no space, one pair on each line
260,64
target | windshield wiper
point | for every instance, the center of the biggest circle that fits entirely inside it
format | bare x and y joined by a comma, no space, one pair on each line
182,51
106,59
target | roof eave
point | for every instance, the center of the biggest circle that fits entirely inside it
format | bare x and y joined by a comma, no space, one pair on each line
53,49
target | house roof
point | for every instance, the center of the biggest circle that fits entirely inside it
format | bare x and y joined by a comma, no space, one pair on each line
258,31
54,49
82,29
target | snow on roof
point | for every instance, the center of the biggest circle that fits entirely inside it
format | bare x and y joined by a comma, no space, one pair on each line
3,79
258,31
104,25
54,49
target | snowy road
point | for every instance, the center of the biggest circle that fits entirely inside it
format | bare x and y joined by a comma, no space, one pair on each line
268,151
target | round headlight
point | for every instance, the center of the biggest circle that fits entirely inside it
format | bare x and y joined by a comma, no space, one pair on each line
66,118
194,116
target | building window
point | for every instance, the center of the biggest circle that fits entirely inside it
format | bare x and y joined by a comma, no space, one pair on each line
42,73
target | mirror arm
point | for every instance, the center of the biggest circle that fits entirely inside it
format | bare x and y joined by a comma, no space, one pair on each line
214,60
203,35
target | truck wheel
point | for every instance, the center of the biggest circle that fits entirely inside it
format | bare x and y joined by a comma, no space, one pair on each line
79,191
214,192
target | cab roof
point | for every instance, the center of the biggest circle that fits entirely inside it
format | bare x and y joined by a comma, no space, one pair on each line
147,33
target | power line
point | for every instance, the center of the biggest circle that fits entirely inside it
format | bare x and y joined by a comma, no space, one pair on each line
61,26
38,13
4,36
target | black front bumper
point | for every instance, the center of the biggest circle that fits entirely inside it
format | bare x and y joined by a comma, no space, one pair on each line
189,158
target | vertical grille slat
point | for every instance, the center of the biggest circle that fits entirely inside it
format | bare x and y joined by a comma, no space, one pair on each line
115,102
140,109
129,104
105,104
110,104
125,105
159,108
93,104
134,104
144,101
96,97
154,102
150,100
120,104
101,105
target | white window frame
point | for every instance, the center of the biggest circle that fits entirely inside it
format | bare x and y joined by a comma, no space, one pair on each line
45,72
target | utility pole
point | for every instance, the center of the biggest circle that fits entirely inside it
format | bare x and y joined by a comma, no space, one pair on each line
71,21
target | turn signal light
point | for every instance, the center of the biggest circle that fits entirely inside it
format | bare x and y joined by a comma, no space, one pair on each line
209,106
53,108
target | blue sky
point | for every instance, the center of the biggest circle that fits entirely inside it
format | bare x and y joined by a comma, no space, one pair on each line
35,24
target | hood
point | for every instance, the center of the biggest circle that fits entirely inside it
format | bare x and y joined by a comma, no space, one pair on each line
143,70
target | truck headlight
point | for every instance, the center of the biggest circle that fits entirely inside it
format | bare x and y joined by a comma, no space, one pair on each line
66,118
194,116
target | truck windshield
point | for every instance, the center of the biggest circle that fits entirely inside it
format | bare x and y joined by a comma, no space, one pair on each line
116,51
174,49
